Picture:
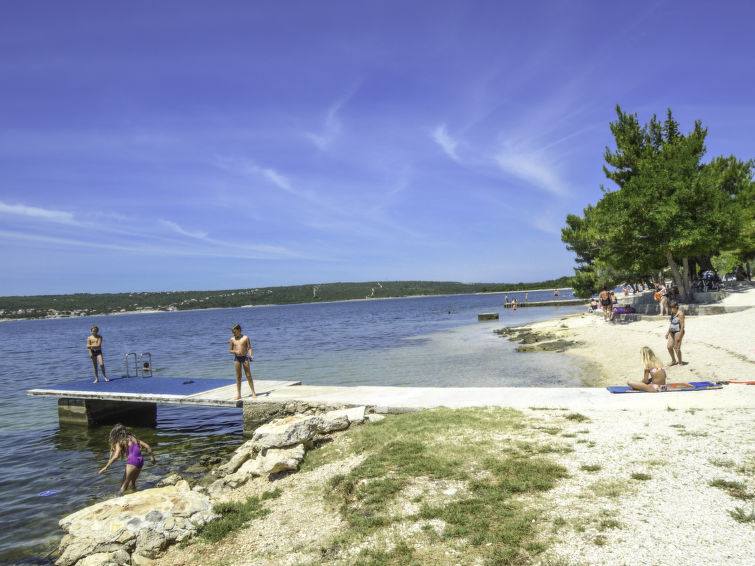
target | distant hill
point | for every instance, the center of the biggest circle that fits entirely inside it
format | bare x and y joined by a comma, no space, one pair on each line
86,304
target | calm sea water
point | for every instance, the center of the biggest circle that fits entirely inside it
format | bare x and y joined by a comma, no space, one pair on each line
430,341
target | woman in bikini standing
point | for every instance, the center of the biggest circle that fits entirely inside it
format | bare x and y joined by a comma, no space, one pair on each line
675,334
605,302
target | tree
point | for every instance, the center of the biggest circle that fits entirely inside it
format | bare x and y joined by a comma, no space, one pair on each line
668,206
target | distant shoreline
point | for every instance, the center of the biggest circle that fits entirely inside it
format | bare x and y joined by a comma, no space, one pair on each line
156,311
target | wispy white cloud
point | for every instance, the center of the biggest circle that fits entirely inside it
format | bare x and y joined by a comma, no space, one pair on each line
533,167
179,230
44,214
441,136
332,125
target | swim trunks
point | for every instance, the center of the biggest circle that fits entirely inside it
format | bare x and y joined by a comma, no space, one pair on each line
135,457
658,388
241,359
96,352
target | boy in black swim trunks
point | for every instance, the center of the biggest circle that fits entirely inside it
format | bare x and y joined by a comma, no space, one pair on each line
94,345
241,349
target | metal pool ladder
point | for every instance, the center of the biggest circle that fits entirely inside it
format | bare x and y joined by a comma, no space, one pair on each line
143,363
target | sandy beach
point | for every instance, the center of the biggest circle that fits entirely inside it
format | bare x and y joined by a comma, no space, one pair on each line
647,480
715,347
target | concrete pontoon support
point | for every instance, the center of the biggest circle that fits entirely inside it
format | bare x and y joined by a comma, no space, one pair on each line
93,412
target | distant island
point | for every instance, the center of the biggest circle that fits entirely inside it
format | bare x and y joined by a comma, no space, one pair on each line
90,304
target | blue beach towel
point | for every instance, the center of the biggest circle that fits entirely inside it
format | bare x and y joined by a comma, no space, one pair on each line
691,386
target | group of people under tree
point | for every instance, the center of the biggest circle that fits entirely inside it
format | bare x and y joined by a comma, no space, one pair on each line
668,209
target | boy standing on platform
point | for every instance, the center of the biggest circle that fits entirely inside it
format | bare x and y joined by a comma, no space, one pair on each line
241,348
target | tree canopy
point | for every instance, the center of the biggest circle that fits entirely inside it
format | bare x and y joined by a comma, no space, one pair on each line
669,209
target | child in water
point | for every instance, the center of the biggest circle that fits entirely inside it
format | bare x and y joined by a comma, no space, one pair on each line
123,443
654,378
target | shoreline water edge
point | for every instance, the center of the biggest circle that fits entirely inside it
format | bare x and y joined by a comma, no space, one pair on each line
716,347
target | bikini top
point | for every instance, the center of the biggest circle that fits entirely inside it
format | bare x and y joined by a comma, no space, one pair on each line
652,371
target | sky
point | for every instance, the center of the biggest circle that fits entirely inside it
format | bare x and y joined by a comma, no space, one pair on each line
179,145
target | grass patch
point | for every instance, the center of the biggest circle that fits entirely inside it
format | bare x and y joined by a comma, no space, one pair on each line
609,488
606,524
234,516
640,476
465,445
723,463
591,467
741,516
578,418
734,488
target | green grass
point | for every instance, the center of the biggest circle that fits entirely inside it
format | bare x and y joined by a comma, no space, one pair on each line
591,467
489,514
641,476
577,417
234,516
736,489
741,516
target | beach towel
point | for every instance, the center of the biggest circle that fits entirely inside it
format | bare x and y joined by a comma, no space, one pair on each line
691,386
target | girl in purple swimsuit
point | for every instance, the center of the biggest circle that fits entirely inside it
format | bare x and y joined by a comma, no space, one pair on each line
123,443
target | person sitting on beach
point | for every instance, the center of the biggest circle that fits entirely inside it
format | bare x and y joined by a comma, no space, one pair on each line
94,345
123,443
654,378
675,334
593,305
241,348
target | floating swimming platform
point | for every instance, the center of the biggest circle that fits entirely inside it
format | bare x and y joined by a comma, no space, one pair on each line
691,386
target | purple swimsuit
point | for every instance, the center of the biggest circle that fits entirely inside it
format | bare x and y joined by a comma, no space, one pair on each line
135,455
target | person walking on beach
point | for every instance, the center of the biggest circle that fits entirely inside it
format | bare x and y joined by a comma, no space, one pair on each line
654,378
675,334
605,302
663,292
241,348
94,345
123,443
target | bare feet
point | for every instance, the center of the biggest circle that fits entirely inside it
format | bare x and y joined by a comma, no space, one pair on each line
96,381
106,379
674,363
237,398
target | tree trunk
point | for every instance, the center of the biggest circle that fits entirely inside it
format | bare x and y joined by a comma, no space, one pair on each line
675,273
686,279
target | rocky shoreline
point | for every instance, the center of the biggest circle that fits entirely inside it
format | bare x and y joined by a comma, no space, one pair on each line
137,528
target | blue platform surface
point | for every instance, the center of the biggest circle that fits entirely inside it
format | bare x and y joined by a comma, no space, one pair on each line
143,385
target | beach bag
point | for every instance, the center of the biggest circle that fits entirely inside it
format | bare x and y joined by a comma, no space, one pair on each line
657,296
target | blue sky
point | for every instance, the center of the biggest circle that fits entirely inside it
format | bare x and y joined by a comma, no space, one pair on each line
214,145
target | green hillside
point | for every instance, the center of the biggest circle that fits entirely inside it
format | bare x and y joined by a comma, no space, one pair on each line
83,304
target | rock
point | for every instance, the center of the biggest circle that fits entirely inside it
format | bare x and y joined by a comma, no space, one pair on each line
150,543
118,558
139,560
274,460
210,460
246,472
354,414
218,488
172,479
144,523
374,418
335,420
241,455
288,431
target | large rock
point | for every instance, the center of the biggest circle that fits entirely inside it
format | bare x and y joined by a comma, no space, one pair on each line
142,523
274,460
288,431
241,455
353,414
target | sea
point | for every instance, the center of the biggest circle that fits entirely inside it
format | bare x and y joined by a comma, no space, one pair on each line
49,470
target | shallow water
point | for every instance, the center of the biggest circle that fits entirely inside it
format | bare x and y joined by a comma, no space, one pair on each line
430,341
